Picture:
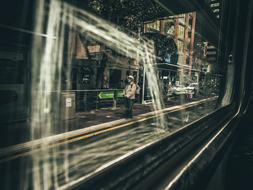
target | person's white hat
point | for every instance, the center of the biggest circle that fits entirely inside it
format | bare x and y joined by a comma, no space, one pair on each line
131,77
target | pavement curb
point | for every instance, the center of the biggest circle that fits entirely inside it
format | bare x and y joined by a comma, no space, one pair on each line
38,143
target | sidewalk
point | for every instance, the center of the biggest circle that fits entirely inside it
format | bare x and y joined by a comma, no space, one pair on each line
104,115
88,124
20,132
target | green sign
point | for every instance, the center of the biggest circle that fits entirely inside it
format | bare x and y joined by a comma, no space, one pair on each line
110,94
106,95
119,93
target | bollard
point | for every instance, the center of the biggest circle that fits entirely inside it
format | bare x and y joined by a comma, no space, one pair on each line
85,101
114,106
96,100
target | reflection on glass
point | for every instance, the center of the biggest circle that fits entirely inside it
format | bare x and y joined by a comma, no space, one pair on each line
66,115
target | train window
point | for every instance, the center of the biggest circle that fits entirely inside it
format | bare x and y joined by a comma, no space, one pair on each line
100,79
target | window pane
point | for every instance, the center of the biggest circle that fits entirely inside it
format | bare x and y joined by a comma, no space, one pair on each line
86,82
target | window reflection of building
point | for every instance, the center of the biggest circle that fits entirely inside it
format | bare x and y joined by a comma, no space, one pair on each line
215,6
181,32
115,78
109,68
180,46
152,26
181,18
169,27
182,29
14,84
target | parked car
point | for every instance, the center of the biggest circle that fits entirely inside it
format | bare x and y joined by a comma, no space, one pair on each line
193,88
179,89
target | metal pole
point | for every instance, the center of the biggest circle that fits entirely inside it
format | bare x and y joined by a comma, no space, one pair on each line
85,101
114,100
96,100
143,84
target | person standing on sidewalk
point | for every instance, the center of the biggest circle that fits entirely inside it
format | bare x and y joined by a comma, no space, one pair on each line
129,94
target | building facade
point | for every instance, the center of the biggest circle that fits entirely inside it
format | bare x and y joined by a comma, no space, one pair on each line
215,6
181,28
98,67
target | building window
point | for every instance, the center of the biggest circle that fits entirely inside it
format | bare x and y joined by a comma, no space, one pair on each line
180,46
181,19
115,79
215,5
190,21
153,26
216,10
181,32
169,27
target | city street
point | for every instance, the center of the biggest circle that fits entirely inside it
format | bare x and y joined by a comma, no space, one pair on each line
19,132
79,158
125,94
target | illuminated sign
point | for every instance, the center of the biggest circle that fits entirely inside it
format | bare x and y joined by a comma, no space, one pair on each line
94,49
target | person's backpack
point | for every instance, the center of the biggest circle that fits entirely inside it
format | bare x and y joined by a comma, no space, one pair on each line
138,88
